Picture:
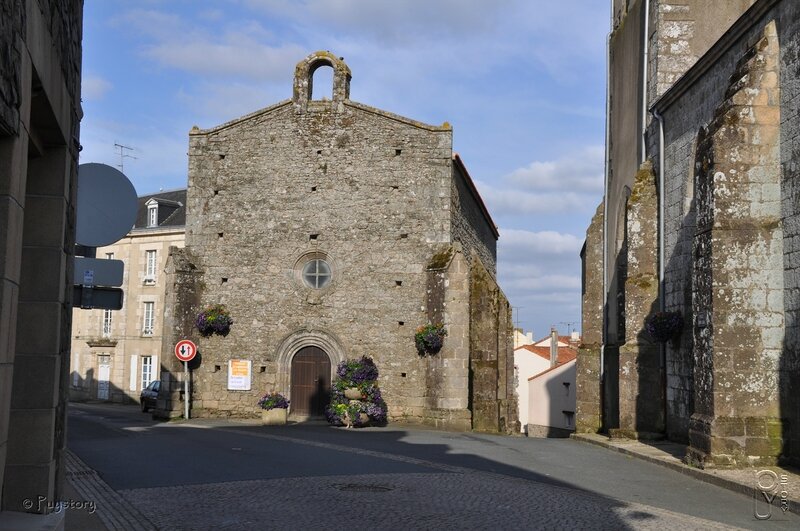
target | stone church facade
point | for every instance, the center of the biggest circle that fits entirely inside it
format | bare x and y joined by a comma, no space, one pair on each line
699,217
332,230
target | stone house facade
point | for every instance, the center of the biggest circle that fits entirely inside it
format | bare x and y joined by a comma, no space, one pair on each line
40,112
115,354
703,224
332,230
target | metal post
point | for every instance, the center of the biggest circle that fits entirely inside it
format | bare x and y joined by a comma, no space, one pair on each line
186,390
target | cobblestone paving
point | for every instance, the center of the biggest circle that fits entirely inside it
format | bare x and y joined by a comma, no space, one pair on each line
112,510
396,501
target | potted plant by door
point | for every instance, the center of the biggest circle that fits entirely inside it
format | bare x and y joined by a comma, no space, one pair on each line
355,397
273,409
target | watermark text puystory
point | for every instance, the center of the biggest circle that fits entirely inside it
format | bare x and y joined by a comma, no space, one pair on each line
770,490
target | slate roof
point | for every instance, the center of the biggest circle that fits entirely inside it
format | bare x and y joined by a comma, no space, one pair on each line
171,209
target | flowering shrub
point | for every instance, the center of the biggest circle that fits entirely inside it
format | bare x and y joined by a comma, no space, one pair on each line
214,320
663,326
273,401
362,374
430,338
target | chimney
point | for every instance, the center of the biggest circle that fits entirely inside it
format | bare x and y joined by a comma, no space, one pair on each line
553,347
529,335
574,339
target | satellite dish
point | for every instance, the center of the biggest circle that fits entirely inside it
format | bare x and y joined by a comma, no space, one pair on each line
107,205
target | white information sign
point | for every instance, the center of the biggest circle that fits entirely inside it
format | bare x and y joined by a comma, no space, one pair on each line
239,375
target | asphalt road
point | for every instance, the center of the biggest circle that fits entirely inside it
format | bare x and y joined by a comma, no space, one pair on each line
213,474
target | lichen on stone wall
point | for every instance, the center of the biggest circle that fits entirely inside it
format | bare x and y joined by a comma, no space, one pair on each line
440,259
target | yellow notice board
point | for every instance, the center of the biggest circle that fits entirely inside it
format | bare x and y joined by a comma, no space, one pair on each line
239,375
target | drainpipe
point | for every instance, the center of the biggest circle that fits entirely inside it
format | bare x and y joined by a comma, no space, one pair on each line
553,347
605,211
605,202
645,60
661,302
661,253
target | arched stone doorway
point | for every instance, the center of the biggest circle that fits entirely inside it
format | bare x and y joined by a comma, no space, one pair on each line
310,382
288,350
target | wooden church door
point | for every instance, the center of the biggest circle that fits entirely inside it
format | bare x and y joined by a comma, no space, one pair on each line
311,382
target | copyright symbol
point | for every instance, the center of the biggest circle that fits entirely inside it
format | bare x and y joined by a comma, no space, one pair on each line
27,503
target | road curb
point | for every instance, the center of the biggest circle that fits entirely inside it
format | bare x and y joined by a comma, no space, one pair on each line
678,466
114,511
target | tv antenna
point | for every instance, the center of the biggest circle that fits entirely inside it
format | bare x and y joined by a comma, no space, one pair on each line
517,309
569,325
123,156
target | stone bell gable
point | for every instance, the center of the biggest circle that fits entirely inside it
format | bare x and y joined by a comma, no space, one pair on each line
316,223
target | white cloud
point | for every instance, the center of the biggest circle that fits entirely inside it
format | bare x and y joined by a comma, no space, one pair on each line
212,104
233,56
540,274
534,243
241,48
390,23
94,87
581,171
516,201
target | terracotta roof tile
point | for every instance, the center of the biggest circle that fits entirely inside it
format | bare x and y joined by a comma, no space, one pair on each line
565,354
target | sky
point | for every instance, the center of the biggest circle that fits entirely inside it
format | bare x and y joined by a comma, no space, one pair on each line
522,82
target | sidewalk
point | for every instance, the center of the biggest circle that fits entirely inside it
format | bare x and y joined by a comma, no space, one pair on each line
111,511
670,455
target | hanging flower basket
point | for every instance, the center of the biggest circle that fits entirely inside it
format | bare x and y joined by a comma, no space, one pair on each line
214,320
430,338
663,326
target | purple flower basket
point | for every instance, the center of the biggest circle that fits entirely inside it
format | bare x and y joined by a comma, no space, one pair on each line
663,326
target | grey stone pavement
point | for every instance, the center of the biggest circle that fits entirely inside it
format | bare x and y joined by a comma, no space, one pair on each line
215,474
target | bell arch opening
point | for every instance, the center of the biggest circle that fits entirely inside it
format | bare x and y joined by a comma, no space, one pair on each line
320,82
304,79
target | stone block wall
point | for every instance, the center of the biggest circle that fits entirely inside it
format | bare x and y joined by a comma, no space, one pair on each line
641,399
733,209
624,152
493,398
446,400
470,222
369,192
789,363
40,62
184,283
588,418
738,300
12,30
682,32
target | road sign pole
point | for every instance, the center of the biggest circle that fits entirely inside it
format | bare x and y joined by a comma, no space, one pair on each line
186,390
185,350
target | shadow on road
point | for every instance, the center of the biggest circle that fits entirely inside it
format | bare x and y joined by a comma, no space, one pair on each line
149,462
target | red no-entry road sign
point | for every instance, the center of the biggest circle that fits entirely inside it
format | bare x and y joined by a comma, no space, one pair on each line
185,350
